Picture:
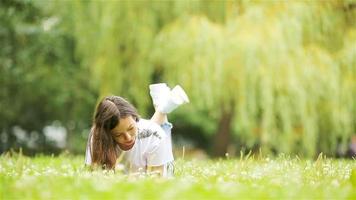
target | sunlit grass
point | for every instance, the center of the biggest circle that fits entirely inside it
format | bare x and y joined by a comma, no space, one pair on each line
65,177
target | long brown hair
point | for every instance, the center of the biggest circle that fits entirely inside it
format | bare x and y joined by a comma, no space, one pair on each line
107,116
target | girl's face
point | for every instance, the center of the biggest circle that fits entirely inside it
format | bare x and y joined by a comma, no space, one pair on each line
124,133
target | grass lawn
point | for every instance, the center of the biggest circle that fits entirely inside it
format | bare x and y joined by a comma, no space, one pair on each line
64,177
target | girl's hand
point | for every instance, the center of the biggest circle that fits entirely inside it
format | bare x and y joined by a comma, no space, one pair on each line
155,170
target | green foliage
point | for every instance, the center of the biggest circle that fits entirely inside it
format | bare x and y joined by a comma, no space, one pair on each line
41,82
113,41
61,177
282,64
353,177
287,70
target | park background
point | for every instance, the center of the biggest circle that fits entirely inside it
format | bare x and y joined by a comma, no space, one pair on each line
269,77
272,86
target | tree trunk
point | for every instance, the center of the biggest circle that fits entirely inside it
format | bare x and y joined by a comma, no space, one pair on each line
223,135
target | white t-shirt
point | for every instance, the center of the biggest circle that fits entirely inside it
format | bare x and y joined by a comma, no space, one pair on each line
151,148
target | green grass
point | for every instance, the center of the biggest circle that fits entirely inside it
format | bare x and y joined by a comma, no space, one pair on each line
65,177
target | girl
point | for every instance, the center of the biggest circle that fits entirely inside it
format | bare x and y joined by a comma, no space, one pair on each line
118,133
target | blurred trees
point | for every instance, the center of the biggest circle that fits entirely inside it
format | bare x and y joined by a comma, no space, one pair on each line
271,72
41,81
273,75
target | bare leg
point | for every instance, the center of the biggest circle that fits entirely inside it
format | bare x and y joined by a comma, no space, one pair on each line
159,117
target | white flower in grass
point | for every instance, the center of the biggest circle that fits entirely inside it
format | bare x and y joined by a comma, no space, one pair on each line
335,183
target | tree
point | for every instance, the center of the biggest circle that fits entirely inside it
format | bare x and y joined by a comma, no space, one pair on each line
40,79
269,69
